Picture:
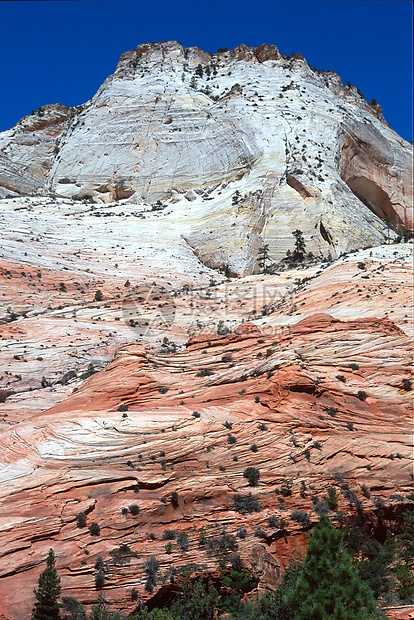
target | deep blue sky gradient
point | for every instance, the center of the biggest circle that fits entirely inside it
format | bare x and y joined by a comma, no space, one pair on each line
62,51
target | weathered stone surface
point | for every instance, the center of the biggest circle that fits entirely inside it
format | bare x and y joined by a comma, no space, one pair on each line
27,150
311,366
277,394
243,131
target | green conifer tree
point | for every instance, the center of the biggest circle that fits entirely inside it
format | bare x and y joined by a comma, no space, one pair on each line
197,601
263,258
46,606
300,245
329,587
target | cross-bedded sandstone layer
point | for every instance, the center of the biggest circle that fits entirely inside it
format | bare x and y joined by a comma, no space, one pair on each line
133,368
310,404
248,144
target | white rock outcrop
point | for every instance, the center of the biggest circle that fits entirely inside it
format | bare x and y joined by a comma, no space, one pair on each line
248,144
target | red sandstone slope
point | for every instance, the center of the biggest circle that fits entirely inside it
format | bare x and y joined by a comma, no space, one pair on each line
317,416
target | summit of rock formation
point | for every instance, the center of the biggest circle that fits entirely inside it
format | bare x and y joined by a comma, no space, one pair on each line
143,353
290,146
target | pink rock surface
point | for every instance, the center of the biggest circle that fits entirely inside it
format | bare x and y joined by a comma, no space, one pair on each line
84,455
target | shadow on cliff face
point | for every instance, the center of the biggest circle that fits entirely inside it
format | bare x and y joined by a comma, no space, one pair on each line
373,197
366,165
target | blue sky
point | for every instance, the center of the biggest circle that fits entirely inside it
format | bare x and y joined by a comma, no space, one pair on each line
62,51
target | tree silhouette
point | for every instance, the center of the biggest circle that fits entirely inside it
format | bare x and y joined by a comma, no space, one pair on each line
300,245
48,592
263,257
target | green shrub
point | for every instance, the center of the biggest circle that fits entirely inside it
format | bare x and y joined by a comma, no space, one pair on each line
332,499
81,519
407,385
183,541
94,529
300,516
99,580
151,567
197,601
273,521
252,475
223,544
134,510
246,504
286,487
205,372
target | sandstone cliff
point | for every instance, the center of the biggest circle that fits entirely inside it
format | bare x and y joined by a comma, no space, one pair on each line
132,368
287,145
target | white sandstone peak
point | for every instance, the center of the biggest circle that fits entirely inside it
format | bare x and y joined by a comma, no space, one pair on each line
247,145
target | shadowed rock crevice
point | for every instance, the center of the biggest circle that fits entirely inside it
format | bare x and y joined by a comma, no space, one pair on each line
369,166
298,186
374,198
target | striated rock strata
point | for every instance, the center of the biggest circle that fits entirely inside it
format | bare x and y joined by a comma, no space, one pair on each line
313,402
250,144
132,368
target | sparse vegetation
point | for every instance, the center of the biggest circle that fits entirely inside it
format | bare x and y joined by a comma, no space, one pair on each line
94,529
252,475
246,504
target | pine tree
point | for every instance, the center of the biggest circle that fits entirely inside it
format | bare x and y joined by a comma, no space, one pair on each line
300,245
263,256
48,592
329,587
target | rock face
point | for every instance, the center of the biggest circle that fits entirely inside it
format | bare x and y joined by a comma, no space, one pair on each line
293,407
302,383
252,129
27,151
133,369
